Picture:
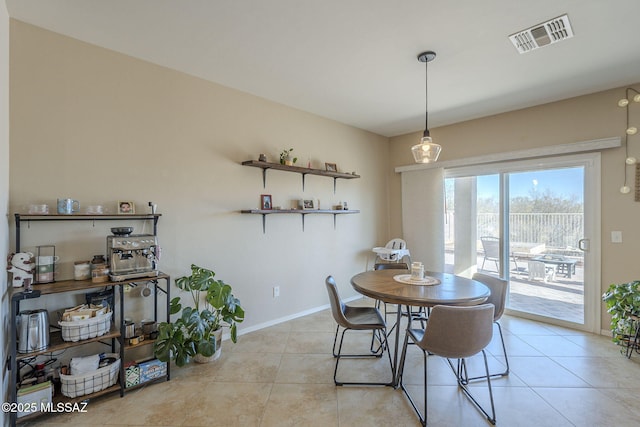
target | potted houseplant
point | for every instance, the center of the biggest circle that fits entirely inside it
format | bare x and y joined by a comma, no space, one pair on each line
623,304
197,333
286,158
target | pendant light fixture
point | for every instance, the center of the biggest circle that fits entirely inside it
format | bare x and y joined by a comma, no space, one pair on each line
427,151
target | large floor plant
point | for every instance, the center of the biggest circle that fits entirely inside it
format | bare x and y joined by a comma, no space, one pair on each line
623,304
214,307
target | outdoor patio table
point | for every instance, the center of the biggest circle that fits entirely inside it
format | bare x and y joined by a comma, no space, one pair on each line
564,265
452,290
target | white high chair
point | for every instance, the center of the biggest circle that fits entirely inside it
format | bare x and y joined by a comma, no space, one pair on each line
394,251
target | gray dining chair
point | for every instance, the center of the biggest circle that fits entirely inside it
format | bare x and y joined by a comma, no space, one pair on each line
453,332
498,288
359,319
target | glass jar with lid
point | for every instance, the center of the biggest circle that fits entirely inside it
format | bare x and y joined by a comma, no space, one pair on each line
100,273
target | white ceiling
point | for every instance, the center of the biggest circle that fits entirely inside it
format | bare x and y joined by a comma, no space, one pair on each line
354,61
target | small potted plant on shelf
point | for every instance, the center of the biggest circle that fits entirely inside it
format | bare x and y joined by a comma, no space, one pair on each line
197,333
286,158
623,304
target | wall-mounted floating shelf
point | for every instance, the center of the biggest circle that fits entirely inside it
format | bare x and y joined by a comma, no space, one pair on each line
296,169
301,212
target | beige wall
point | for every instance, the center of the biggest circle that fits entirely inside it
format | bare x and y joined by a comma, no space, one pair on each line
4,190
98,126
584,118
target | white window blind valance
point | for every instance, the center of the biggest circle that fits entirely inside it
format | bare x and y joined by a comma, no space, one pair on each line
554,150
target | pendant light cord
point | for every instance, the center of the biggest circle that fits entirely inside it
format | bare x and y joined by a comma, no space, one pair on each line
426,98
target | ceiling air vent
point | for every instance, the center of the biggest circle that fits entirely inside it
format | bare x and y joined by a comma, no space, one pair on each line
552,31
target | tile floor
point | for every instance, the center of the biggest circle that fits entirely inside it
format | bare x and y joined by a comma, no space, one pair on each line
282,376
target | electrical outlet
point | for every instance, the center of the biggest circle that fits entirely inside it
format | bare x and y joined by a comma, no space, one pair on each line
276,291
616,237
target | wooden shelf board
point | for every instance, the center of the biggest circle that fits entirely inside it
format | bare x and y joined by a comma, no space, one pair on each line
299,211
80,216
146,341
56,342
80,285
298,169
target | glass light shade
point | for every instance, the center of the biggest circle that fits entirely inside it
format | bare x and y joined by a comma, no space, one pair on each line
631,160
636,98
426,151
625,189
623,102
632,130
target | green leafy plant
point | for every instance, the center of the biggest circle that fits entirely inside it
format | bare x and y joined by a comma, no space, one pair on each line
285,155
214,307
623,304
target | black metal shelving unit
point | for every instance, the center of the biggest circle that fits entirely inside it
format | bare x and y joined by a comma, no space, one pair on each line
114,337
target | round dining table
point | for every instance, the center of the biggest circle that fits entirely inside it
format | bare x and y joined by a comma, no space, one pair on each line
388,286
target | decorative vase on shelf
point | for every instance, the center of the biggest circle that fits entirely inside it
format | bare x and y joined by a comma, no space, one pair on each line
288,161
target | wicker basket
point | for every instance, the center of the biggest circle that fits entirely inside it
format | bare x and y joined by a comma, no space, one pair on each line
84,329
92,382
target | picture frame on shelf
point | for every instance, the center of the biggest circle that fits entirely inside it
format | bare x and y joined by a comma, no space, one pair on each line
308,204
265,202
331,167
126,207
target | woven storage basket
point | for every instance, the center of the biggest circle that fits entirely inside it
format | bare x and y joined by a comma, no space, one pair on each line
84,329
79,385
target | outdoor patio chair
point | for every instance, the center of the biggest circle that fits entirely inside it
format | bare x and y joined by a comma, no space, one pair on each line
491,248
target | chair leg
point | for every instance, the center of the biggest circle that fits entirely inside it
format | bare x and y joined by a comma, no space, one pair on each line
460,372
504,350
423,419
339,355
506,359
376,333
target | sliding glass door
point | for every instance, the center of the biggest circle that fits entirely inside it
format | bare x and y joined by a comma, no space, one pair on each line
535,224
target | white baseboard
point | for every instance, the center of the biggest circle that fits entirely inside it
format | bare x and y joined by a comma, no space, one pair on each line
289,317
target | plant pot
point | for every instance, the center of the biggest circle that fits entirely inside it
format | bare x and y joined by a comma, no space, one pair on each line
198,358
288,161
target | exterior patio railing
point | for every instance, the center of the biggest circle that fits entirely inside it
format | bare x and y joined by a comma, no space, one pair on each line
555,230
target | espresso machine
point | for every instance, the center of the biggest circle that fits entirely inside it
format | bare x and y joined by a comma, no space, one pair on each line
132,256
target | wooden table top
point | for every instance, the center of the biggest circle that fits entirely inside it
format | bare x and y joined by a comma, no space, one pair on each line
453,290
